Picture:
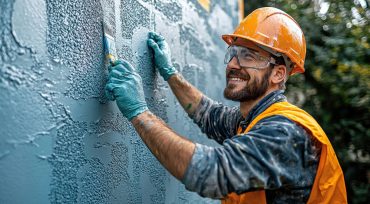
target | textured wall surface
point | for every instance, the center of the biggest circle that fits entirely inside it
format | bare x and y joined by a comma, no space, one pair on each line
61,141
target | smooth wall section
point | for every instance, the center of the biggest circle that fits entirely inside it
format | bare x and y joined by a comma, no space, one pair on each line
61,141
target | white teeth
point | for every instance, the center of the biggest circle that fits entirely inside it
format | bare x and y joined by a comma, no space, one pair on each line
236,79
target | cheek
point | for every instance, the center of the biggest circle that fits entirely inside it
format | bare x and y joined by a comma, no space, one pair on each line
256,81
250,77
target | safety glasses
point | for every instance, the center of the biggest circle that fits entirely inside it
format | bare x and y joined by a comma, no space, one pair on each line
247,58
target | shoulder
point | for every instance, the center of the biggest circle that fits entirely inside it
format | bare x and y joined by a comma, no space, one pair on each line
278,125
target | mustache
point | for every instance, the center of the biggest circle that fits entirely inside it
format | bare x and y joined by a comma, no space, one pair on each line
235,73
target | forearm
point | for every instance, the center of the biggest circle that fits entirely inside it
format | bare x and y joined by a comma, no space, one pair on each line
188,96
173,151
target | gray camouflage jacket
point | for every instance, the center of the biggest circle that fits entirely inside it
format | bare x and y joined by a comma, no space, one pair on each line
276,155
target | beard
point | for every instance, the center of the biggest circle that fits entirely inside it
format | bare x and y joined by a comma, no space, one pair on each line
252,90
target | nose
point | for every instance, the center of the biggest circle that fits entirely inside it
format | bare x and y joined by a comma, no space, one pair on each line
233,64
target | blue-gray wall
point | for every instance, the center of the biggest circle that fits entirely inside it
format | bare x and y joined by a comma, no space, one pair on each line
61,141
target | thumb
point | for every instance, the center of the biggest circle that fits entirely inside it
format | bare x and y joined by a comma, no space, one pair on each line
153,45
109,92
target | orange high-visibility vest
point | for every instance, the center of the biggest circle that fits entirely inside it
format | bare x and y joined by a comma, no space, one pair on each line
329,186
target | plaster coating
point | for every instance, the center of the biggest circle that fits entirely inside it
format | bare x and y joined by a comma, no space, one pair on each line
61,141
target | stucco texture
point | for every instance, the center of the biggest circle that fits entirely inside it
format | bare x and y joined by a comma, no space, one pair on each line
61,140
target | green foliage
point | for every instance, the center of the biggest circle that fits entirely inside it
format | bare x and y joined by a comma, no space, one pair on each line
336,84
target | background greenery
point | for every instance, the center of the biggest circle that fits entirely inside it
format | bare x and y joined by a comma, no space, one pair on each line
335,88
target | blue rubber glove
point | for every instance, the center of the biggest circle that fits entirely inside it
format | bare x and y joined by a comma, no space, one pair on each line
125,86
162,55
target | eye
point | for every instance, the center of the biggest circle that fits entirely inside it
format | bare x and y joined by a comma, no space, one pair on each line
244,53
247,55
254,55
257,56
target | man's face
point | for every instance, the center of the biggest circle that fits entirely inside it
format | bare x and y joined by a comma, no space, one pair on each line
246,84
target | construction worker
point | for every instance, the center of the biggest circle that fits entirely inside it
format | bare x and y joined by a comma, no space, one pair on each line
272,151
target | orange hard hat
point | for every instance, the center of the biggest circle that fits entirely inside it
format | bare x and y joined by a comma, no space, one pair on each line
275,31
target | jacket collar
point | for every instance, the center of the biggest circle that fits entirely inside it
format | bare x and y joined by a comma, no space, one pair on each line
263,104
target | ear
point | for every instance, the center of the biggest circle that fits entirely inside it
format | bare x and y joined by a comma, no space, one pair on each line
278,74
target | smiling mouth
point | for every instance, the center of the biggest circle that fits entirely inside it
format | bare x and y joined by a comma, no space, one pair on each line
236,79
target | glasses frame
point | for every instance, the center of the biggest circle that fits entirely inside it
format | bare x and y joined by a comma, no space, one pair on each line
269,60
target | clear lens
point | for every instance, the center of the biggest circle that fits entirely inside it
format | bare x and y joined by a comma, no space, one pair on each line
247,58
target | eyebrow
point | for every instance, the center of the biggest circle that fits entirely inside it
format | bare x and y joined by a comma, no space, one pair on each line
247,48
259,52
253,49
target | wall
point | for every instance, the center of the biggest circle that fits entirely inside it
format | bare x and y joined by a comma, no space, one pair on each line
61,141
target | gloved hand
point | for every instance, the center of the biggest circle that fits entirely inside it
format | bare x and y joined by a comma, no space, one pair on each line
125,86
162,55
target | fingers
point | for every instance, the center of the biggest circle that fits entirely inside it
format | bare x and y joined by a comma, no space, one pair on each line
155,36
121,66
157,43
126,65
120,72
116,74
114,86
119,78
153,45
162,45
117,62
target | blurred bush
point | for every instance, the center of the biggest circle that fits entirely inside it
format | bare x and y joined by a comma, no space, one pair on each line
335,88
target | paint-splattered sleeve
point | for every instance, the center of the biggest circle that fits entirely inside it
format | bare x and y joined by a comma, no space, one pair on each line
216,120
275,153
